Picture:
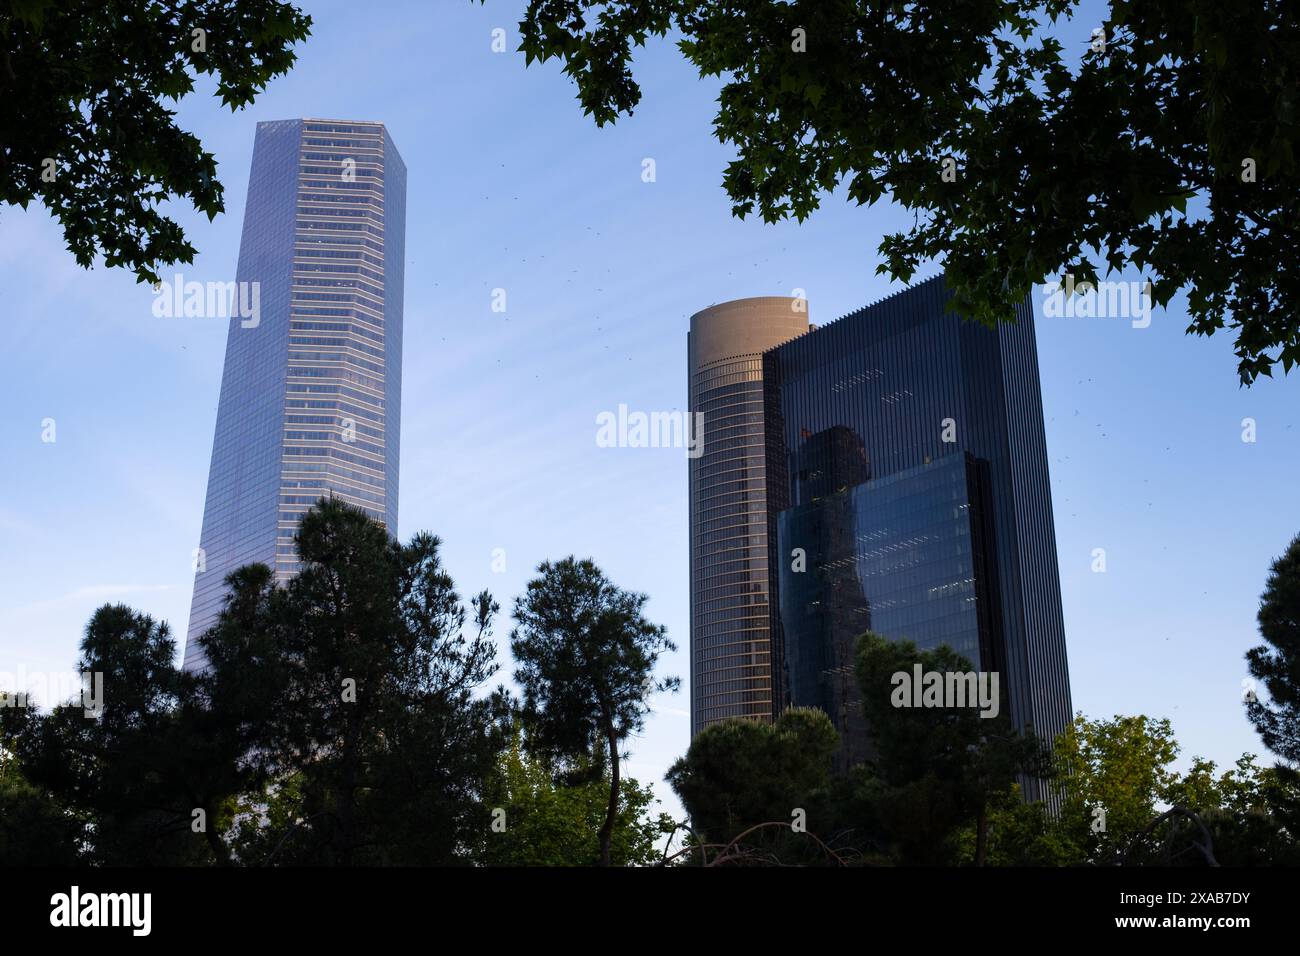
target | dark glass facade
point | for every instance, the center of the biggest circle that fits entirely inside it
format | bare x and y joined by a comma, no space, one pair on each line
901,556
906,457
310,393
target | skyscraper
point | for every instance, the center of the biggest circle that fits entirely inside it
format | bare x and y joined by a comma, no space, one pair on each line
731,661
311,390
907,464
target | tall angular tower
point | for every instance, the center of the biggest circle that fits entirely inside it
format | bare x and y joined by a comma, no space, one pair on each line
311,391
907,464
731,653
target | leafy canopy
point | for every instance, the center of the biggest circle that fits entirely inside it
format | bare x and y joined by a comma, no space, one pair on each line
132,776
87,124
378,740
740,773
339,721
1166,143
585,656
934,769
1276,662
545,823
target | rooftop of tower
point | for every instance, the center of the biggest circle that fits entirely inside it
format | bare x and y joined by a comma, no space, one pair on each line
909,287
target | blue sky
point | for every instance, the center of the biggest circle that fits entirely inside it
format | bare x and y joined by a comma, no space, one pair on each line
512,187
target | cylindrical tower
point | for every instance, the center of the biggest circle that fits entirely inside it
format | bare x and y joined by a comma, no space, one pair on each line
731,647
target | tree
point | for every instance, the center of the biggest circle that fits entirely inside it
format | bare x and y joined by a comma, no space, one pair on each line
740,773
133,771
1022,833
935,769
378,747
1236,810
538,822
1114,775
228,722
1162,138
586,657
1276,663
86,126
34,829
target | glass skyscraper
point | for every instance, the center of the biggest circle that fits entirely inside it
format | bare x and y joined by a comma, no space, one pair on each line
731,660
906,459
311,390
